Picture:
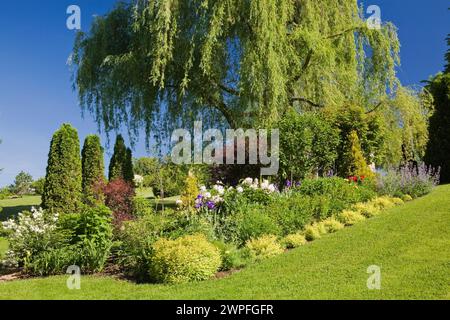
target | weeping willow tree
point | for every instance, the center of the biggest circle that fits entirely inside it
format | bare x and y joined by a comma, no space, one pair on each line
159,64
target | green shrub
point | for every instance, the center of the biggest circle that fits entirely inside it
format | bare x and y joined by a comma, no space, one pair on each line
37,185
367,209
294,240
136,239
142,207
263,247
340,193
312,232
54,262
331,225
349,217
232,257
190,258
295,210
91,231
309,142
256,222
407,198
62,188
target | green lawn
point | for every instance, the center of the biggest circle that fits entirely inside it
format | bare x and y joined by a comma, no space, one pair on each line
169,202
410,243
12,207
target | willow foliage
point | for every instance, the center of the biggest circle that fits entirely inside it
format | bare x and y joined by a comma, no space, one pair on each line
161,63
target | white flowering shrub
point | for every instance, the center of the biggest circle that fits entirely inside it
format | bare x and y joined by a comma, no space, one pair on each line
220,198
138,181
31,234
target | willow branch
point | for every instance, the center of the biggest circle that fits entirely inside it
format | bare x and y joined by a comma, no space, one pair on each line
312,103
379,104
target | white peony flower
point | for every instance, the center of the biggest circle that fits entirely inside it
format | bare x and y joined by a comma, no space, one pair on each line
207,195
240,189
248,181
203,189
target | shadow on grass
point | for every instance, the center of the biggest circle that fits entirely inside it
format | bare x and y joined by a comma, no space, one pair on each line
11,212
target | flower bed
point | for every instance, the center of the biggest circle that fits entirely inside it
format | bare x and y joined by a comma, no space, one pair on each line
234,226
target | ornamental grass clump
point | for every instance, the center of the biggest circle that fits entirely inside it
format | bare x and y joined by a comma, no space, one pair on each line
189,258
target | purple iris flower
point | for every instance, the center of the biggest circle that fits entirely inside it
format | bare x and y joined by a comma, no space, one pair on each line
198,206
288,183
298,184
211,205
200,196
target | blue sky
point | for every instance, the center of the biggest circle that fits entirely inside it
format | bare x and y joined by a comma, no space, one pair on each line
36,95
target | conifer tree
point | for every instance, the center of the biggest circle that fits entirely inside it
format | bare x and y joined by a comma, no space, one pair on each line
118,159
121,166
354,162
93,170
128,172
62,189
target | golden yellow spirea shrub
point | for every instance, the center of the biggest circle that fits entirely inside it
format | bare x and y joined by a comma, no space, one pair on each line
189,258
293,241
407,198
383,203
349,217
368,210
313,232
263,247
397,201
332,225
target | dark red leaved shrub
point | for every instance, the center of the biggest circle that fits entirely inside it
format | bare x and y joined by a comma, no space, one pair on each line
119,196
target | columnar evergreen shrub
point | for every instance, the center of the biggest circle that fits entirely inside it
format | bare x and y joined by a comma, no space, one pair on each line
62,189
190,192
128,173
93,170
121,165
354,163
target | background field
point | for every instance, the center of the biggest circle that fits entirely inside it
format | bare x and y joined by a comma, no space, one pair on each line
409,243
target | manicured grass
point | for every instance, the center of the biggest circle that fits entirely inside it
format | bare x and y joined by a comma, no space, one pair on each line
11,207
145,193
410,243
169,202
